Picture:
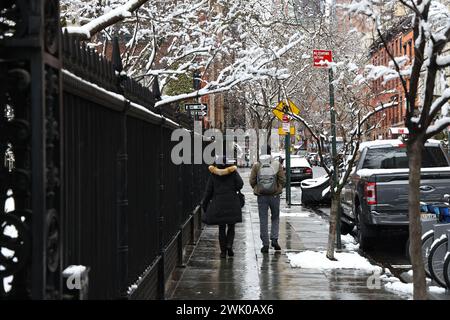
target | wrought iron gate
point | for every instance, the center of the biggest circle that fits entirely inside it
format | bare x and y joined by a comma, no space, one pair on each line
86,160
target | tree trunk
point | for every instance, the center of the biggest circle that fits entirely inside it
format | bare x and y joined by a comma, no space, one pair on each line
415,148
332,228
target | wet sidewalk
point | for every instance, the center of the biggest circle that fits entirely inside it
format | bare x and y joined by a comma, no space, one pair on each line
253,275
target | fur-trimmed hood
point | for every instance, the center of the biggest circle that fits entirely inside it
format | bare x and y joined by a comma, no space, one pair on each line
222,172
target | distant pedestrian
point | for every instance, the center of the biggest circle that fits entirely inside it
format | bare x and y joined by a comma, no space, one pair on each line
221,202
267,179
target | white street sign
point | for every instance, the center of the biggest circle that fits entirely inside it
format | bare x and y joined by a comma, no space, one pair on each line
198,106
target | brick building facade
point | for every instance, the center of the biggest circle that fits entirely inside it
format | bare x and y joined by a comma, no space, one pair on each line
400,42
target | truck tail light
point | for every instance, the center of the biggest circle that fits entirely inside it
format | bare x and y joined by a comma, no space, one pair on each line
370,191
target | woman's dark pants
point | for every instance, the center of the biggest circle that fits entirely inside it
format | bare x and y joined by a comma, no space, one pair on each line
226,236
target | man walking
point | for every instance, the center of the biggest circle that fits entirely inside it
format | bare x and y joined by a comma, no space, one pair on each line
267,179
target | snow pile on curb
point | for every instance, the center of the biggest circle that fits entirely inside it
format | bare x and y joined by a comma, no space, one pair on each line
394,284
407,288
349,242
318,260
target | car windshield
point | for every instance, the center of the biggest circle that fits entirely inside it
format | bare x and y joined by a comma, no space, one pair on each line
397,158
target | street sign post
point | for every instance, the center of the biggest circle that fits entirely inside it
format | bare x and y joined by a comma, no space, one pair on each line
281,111
321,58
287,129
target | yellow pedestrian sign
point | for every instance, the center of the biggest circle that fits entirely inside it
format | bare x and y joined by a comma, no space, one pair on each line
283,108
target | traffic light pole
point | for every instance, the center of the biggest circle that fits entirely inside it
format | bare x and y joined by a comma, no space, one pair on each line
334,156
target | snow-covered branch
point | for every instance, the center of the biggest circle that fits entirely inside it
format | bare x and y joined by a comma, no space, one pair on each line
253,64
98,24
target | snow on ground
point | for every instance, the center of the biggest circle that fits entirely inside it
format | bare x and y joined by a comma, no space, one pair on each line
7,283
318,260
395,285
435,289
349,242
7,253
9,203
11,232
295,214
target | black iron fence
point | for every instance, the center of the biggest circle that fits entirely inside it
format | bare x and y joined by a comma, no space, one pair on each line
91,173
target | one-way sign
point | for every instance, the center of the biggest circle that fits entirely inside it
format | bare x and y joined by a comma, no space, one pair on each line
195,106
200,113
197,110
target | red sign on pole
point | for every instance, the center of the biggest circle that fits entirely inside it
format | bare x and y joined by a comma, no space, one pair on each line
286,124
321,57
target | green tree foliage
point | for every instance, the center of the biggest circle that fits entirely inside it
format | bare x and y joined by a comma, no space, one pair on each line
184,84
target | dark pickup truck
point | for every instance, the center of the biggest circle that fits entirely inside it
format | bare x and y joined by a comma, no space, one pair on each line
376,194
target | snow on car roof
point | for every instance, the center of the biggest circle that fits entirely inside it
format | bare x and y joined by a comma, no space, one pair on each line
299,162
390,143
379,143
369,172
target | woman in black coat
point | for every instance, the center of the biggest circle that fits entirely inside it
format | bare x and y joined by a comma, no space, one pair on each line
221,203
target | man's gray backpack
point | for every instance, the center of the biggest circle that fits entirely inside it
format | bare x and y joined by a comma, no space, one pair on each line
267,175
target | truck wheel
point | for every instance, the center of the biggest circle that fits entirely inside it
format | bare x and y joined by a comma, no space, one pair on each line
436,261
364,232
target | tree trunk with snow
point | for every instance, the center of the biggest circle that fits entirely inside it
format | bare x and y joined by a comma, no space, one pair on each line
332,228
415,148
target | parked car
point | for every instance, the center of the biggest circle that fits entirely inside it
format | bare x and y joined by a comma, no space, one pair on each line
301,152
300,168
376,194
316,191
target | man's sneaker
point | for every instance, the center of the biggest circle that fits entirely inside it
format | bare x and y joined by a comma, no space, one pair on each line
230,252
265,249
275,245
